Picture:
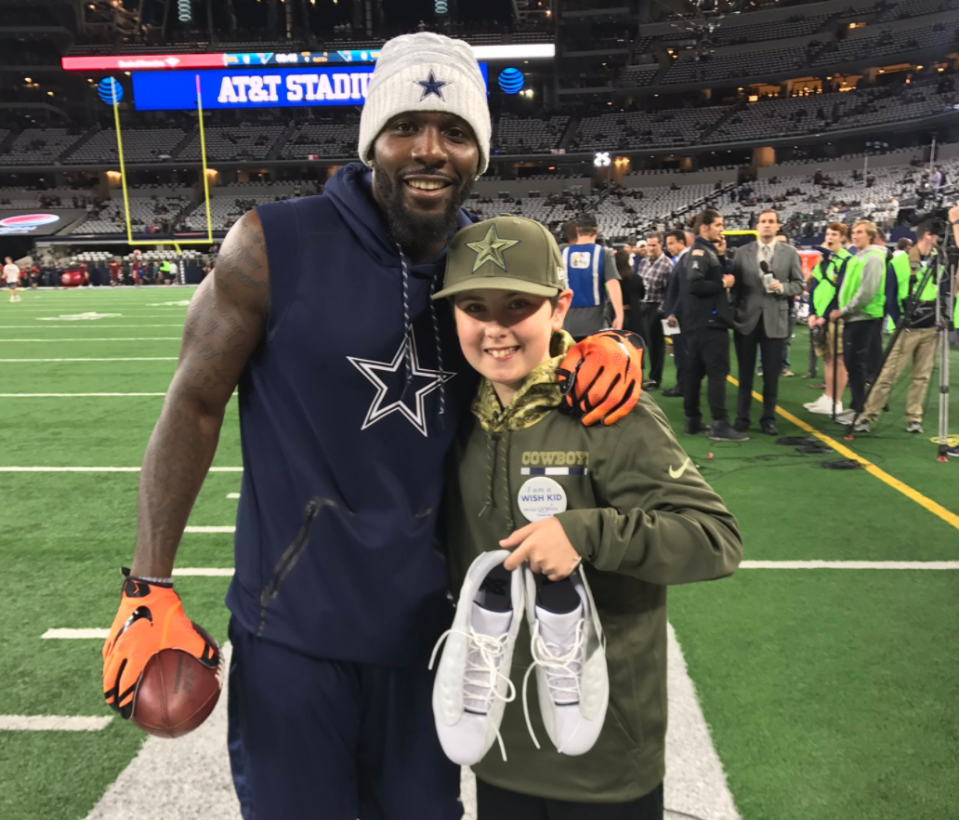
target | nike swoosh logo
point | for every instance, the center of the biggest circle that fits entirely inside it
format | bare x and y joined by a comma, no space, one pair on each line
678,473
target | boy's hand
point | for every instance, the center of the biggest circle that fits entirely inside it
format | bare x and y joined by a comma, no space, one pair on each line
602,376
545,545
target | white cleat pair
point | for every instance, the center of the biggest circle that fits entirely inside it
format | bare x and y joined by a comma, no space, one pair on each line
473,686
823,405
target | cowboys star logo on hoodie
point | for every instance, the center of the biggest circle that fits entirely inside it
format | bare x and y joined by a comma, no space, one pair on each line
393,394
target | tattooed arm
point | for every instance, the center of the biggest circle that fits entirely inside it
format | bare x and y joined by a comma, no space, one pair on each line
224,325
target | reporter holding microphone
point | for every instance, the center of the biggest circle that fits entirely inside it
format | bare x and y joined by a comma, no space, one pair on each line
768,273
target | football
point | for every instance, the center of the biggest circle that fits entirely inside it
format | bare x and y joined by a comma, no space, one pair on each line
176,693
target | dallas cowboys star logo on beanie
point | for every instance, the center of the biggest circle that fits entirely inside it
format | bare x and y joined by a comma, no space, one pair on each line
426,72
431,86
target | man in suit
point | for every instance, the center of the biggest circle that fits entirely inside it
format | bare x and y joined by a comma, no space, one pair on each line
768,274
678,243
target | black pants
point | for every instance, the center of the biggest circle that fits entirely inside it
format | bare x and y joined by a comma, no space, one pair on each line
652,333
875,352
679,357
811,369
500,804
707,354
772,351
858,339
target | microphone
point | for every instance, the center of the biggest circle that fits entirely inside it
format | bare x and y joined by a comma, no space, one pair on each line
767,274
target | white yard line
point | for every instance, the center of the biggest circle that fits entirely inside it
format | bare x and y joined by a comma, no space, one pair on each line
74,634
695,781
74,395
99,469
922,565
97,339
52,723
209,529
203,572
88,359
232,495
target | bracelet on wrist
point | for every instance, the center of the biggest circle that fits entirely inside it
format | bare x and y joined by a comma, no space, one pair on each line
153,580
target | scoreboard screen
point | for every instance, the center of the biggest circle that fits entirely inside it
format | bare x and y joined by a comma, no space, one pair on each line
255,88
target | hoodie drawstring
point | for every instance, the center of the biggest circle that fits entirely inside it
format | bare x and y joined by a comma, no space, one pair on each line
407,323
439,346
408,331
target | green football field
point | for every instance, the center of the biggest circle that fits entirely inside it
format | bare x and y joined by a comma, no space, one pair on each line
832,694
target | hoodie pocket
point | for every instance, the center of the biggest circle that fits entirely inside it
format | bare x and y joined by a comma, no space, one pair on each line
291,555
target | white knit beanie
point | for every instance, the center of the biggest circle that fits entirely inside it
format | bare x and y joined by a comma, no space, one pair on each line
426,72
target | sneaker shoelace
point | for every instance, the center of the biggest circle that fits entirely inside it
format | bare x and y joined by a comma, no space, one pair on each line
483,659
564,669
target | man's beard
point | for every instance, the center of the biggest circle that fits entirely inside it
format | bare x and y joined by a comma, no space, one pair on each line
417,233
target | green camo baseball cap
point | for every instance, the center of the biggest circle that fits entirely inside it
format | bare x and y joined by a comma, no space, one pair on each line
504,253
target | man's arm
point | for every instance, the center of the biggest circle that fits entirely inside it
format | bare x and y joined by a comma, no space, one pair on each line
699,285
615,290
662,524
795,282
892,296
224,325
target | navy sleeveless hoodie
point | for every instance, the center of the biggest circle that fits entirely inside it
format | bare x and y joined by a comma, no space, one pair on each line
346,412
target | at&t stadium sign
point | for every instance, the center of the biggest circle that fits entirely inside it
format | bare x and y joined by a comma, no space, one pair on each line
239,88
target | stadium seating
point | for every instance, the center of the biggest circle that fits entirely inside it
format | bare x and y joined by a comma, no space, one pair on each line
160,212
528,135
139,145
641,129
39,146
750,63
325,139
239,142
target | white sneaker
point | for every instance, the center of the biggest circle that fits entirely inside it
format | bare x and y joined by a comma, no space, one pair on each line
823,405
472,685
569,657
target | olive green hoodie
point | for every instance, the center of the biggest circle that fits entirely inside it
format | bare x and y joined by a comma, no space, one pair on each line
641,516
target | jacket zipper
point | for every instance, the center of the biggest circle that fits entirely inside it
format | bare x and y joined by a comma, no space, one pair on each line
291,555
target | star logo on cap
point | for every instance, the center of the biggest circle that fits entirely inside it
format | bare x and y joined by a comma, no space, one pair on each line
431,86
491,250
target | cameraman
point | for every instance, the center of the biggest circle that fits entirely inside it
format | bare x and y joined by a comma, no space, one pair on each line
911,295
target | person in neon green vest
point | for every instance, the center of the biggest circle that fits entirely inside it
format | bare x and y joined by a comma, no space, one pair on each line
954,220
826,280
862,301
909,295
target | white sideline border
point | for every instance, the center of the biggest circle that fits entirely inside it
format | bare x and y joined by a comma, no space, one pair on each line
790,565
99,469
96,326
74,634
53,723
97,339
97,359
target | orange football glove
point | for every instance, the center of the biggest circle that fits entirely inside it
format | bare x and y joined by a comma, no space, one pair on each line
602,376
149,620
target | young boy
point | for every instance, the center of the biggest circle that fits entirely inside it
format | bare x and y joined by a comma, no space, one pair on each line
622,506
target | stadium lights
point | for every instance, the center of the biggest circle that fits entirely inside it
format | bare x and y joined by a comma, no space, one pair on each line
601,159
